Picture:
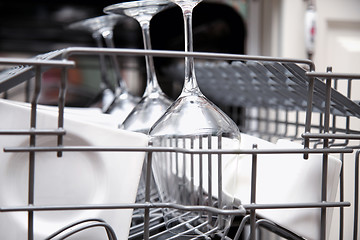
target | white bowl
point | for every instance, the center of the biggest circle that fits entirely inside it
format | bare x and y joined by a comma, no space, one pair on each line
76,178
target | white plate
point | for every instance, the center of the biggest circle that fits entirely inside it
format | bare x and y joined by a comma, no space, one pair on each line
284,178
88,115
76,178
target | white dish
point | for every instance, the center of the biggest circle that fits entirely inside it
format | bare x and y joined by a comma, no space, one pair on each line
284,178
87,115
76,178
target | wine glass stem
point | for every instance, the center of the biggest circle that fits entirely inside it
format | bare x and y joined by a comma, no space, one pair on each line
152,84
190,84
108,36
105,81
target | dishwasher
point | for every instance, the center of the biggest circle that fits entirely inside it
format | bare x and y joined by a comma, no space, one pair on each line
284,109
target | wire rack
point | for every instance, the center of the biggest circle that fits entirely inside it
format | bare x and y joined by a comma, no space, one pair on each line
271,98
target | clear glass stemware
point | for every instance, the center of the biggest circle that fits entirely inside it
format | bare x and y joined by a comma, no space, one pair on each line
154,102
194,122
116,100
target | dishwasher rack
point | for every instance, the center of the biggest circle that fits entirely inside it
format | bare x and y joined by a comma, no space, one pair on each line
285,93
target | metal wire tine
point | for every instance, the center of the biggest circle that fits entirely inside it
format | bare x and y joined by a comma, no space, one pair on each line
209,178
155,216
180,54
296,124
283,232
190,227
309,112
220,181
192,187
241,227
325,158
225,233
138,215
32,131
286,123
110,232
283,122
267,121
277,82
180,191
333,124
234,114
25,69
347,121
176,156
341,198
147,195
31,179
58,232
356,196
152,228
276,121
321,129
27,91
6,96
173,228
247,120
300,83
264,131
184,170
247,117
250,77
212,230
341,105
155,223
170,163
258,120
253,194
201,191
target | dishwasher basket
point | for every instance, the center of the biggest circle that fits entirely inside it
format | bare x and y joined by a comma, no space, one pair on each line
270,98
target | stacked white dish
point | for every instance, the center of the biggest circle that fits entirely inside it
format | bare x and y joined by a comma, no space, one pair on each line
76,178
284,178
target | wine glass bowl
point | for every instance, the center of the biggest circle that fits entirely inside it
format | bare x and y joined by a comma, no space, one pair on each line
194,123
96,25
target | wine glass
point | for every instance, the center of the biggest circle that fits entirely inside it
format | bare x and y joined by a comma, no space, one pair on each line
153,102
118,100
194,122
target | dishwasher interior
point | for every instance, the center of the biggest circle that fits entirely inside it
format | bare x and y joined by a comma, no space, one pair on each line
277,100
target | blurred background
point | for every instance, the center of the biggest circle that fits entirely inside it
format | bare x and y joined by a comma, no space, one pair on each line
326,31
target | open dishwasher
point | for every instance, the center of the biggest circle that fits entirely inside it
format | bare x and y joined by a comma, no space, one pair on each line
284,113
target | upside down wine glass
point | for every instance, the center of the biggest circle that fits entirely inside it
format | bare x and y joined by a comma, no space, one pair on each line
117,100
153,102
194,122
